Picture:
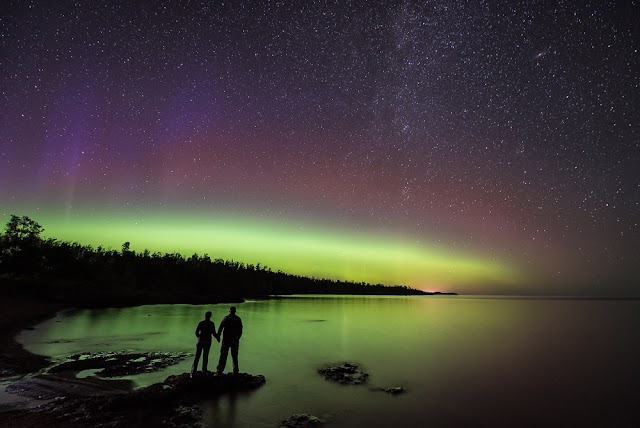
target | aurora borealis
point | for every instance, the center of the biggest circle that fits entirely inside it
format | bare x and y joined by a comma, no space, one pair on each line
478,147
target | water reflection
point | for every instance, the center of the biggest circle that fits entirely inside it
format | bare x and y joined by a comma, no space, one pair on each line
222,411
464,361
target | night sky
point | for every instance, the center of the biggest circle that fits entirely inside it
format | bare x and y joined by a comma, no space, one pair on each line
471,146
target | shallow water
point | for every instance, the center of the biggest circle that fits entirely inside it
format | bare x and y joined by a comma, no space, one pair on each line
481,362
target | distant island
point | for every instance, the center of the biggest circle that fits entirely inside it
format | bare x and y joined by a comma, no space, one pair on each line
83,275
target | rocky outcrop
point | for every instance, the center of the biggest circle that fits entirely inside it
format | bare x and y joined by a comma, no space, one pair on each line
349,374
303,420
346,374
395,390
54,386
119,363
206,384
168,404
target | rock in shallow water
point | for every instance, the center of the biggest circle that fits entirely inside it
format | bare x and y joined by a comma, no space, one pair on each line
346,374
185,417
206,384
303,420
395,390
119,363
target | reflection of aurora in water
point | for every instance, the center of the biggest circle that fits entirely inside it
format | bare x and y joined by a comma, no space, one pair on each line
303,250
498,362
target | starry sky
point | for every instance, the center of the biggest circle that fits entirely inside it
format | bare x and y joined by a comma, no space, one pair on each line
472,146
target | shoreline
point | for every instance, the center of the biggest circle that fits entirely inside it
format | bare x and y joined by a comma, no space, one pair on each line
20,311
18,366
17,314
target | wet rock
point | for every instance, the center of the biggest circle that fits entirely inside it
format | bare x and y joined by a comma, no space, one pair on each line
48,386
185,417
395,390
119,363
207,384
303,420
346,374
168,404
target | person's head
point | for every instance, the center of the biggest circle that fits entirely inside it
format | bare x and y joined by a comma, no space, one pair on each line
232,310
207,315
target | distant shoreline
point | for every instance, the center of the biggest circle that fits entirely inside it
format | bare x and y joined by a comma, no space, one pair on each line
27,257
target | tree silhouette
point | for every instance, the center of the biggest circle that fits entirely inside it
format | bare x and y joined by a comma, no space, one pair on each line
20,249
144,277
22,229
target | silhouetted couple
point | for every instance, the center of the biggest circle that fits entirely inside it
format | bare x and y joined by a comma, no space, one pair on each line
230,330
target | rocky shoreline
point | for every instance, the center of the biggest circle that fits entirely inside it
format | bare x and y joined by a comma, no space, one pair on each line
172,403
97,401
68,401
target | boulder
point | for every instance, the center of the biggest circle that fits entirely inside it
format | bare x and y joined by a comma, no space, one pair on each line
203,384
346,374
302,420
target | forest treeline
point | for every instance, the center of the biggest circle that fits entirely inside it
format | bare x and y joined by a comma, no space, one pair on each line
57,269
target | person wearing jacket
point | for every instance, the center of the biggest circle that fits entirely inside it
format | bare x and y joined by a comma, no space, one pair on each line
230,330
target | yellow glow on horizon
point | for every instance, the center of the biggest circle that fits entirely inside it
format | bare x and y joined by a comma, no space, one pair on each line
300,249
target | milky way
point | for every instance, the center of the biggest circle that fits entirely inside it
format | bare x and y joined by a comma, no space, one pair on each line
484,146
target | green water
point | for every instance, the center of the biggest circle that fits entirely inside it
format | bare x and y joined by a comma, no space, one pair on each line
493,362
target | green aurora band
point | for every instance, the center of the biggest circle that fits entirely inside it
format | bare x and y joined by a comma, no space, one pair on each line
293,248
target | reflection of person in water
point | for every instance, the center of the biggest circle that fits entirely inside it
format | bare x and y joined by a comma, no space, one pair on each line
205,329
231,330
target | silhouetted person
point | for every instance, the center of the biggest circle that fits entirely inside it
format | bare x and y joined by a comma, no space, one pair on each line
231,331
205,329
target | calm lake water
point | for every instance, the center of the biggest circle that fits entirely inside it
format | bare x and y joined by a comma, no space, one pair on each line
464,361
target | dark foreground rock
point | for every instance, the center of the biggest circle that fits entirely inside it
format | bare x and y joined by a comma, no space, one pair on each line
202,384
60,381
303,420
346,374
54,386
167,404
